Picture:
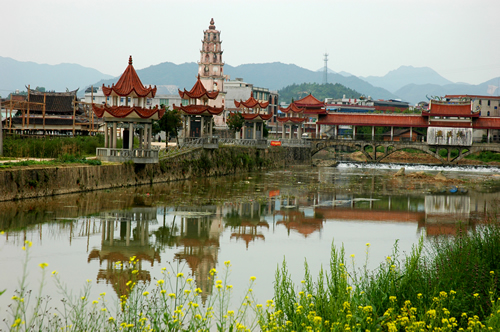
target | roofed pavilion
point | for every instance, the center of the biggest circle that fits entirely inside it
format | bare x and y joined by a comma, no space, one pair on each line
294,116
197,113
255,114
127,109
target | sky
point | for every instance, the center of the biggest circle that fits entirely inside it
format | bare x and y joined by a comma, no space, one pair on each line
460,39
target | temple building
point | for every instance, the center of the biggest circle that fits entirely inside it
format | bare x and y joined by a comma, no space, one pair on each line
294,117
211,70
198,114
255,114
47,113
127,109
312,109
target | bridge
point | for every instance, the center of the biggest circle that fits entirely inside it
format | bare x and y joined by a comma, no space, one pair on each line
369,148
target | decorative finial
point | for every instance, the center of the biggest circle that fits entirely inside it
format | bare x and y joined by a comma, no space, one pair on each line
212,24
130,60
198,76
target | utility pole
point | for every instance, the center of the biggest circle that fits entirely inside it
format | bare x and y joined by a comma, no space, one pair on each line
325,74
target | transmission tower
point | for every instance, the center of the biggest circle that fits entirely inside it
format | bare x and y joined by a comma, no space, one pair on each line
325,74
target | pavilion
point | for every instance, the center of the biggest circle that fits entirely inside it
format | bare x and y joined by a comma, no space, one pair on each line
254,113
198,115
128,110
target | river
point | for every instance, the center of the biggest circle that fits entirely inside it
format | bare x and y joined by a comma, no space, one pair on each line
255,220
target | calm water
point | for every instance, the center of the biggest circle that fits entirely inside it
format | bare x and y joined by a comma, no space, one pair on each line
255,220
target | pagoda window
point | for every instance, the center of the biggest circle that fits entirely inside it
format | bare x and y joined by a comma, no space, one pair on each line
479,101
488,113
185,102
215,57
122,100
489,102
206,58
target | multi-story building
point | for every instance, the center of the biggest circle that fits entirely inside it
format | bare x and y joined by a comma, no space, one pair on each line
238,90
488,106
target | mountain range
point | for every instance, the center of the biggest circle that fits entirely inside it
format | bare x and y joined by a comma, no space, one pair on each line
408,83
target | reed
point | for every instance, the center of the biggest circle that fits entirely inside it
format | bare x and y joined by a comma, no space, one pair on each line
448,285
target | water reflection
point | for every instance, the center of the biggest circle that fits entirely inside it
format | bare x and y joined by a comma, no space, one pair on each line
130,241
258,218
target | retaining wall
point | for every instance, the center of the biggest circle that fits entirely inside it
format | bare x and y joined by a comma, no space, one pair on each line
29,182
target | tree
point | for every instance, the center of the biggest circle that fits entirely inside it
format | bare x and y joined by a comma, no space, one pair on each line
170,122
235,121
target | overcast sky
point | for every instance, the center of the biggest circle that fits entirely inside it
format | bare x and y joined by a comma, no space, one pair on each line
457,38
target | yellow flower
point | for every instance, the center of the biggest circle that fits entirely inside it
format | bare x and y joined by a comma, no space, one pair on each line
227,263
43,265
111,319
16,322
146,293
252,278
476,295
368,244
163,291
160,282
172,295
180,275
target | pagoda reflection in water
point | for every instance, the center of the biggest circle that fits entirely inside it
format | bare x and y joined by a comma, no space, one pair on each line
117,251
199,234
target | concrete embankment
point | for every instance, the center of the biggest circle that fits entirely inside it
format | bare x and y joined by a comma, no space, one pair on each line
30,182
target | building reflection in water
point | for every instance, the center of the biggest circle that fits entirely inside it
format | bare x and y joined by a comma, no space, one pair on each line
117,250
245,220
199,234
446,214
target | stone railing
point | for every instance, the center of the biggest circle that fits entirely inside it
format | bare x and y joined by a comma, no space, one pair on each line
293,142
205,142
258,143
138,156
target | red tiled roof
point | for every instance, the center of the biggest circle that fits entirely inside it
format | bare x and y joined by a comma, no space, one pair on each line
445,109
198,91
487,123
124,111
287,119
472,96
251,103
250,116
292,107
199,109
129,84
380,120
309,101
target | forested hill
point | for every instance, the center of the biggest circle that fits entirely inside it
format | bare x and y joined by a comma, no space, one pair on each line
320,91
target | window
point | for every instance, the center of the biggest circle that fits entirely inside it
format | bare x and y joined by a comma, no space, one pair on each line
479,101
488,113
185,102
164,102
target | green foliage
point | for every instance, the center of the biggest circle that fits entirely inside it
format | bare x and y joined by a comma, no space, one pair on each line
235,121
51,147
170,122
320,91
454,284
485,156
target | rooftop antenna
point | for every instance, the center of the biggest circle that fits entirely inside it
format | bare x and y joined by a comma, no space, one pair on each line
325,74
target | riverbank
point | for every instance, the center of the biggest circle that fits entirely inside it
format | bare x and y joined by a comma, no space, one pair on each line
38,181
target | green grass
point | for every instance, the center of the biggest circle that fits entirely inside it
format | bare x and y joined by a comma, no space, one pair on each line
51,147
63,159
455,285
449,285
